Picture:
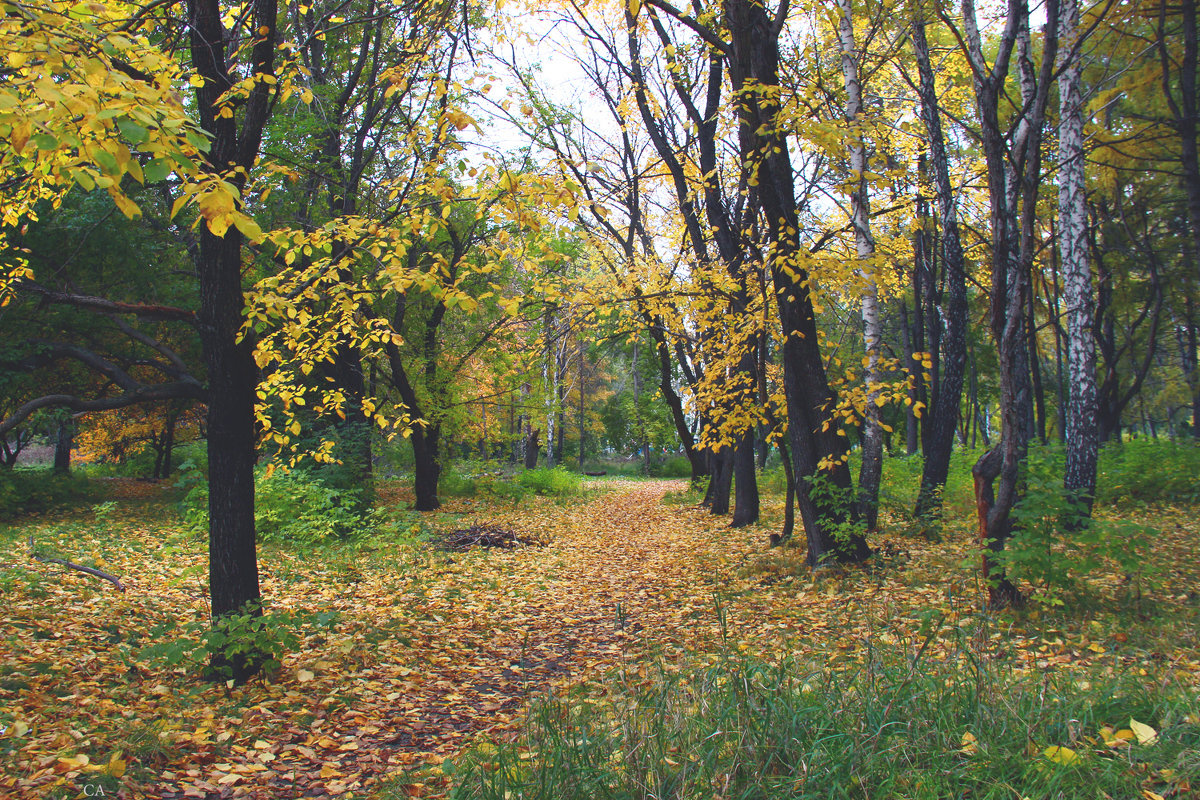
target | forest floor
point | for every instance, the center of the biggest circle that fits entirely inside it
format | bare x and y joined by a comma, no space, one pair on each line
431,651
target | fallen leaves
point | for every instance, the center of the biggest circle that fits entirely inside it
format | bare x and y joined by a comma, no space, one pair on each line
435,649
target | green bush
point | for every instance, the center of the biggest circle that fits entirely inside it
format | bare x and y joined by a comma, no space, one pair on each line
33,491
554,481
289,506
1149,471
894,727
1053,547
453,483
247,638
674,467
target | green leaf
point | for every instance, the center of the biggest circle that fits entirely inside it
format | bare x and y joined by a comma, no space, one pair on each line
133,133
157,170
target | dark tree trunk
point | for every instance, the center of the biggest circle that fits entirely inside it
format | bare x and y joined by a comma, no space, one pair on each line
232,375
818,452
745,483
721,482
1035,372
532,448
789,508
427,468
63,442
941,419
1013,173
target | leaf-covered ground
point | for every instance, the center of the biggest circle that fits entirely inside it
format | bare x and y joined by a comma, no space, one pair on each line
432,649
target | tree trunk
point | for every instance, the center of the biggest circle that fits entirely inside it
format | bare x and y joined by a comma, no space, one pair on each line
745,483
63,443
232,375
824,486
427,469
721,482
1013,173
941,418
871,472
1082,434
532,448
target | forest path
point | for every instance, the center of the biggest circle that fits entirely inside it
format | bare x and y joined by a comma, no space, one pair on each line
427,649
460,646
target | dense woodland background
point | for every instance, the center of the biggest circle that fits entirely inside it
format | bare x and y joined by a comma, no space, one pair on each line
857,270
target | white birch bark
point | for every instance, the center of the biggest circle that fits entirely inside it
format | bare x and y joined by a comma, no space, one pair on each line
1081,432
864,246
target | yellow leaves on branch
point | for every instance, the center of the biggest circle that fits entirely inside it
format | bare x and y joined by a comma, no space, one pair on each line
87,101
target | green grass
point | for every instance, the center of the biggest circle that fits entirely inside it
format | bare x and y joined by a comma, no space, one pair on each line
893,726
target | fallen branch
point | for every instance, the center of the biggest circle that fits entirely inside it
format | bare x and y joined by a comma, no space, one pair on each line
113,579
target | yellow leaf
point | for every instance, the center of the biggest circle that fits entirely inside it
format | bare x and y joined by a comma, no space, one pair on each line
75,762
19,136
304,676
248,227
127,206
116,766
1061,755
969,745
1145,734
1149,795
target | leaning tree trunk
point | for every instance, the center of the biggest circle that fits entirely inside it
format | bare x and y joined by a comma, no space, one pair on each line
824,487
941,418
1013,173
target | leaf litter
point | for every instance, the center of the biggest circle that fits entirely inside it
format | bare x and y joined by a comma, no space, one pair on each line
435,649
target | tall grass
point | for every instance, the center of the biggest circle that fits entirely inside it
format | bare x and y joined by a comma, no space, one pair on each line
896,725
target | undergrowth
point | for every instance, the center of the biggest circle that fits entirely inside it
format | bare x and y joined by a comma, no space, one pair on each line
895,725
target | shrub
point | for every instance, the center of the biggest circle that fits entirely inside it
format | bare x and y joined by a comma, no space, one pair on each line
250,638
1053,548
1149,471
29,491
674,467
555,481
288,506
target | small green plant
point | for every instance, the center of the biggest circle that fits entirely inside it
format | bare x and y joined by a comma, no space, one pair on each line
235,640
844,524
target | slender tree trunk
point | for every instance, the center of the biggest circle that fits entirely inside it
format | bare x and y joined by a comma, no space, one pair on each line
1013,172
871,473
582,387
941,419
1035,370
1082,434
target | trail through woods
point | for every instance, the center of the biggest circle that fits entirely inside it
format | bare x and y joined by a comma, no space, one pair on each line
433,649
